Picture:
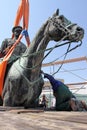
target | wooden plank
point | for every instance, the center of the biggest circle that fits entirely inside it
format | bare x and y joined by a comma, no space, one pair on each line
47,120
19,110
27,111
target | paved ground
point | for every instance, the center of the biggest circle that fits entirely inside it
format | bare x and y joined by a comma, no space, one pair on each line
20,119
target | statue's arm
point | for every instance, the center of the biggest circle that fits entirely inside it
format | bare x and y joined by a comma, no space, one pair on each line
4,45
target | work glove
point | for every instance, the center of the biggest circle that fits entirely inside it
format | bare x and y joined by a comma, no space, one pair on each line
43,74
25,33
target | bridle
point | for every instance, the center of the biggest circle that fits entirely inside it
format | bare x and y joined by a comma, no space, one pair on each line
64,28
61,27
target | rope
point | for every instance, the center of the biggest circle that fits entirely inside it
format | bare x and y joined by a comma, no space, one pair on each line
66,52
78,89
65,56
63,60
75,74
57,45
27,80
51,49
41,51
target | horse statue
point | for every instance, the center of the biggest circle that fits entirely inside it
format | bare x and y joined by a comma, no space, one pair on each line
23,83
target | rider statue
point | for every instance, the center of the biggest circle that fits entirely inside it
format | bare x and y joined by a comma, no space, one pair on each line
8,42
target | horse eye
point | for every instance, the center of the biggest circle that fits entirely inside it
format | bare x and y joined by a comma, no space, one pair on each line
70,27
61,17
78,29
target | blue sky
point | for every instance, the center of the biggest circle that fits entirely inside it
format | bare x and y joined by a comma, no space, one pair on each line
40,11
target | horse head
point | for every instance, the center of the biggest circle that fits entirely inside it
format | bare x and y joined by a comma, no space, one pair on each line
60,27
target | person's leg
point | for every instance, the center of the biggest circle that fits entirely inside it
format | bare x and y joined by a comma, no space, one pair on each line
84,105
73,104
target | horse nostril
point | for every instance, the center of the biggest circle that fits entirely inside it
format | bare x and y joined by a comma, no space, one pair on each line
79,29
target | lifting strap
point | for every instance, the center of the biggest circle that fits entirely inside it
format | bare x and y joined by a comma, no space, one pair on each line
23,12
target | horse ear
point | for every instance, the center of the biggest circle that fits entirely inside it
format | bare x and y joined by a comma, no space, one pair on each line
56,13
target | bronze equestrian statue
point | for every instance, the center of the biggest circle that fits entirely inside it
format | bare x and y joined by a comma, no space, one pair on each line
23,83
